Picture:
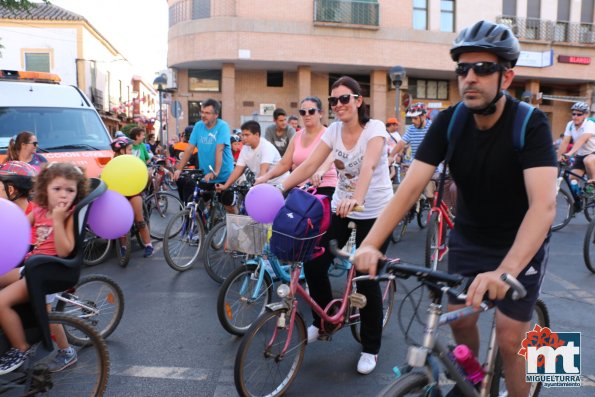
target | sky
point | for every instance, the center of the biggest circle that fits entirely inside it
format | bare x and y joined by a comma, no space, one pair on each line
136,28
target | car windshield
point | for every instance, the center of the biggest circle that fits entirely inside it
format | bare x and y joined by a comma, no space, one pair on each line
57,130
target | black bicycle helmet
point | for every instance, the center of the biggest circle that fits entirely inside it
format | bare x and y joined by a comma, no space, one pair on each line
18,174
486,36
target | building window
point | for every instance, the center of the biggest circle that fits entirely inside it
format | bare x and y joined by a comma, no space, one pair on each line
447,16
37,62
428,89
201,9
509,8
193,112
353,12
274,79
420,14
204,80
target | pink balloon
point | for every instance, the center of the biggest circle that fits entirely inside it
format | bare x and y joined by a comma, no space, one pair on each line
15,235
263,202
111,215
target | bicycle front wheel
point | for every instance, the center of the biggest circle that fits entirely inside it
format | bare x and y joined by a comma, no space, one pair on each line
411,384
242,299
183,238
388,288
433,242
564,210
541,317
219,261
589,208
89,375
95,249
161,207
589,247
96,299
260,369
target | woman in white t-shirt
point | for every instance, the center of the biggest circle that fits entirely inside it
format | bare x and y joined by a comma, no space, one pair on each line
357,145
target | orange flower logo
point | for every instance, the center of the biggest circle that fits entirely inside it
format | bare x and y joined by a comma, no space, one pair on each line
537,338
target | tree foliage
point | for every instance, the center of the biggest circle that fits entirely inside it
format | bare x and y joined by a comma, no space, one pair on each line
18,4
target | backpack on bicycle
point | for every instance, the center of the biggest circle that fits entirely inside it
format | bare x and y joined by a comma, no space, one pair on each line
299,226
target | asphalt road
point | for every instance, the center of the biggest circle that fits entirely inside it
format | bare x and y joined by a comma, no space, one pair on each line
170,342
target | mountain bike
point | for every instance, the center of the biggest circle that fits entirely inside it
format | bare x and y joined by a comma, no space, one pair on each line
571,200
426,362
271,353
185,232
96,299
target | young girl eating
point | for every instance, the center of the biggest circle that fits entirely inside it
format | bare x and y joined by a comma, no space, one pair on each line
59,187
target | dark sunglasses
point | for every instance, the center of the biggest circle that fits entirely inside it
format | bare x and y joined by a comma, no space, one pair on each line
344,99
33,143
577,114
310,111
479,68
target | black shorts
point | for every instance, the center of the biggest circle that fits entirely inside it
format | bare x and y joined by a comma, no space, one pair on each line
579,163
469,259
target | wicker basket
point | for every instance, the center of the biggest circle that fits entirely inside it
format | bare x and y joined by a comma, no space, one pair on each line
245,235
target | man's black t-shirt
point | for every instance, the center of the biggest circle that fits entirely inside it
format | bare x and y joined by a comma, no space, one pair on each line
492,200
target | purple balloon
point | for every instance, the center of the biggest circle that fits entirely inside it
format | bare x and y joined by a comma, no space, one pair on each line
15,235
111,215
263,202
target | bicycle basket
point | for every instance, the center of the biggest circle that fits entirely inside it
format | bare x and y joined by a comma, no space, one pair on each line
245,235
293,249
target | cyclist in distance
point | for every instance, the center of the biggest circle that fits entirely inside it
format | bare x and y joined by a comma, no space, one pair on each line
582,132
414,134
506,197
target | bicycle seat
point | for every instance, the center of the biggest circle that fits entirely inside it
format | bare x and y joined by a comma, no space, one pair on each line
46,274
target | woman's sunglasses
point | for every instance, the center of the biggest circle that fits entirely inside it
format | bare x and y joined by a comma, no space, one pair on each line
344,99
309,111
33,143
479,68
577,114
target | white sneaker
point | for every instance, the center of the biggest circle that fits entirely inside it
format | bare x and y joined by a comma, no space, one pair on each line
367,363
313,332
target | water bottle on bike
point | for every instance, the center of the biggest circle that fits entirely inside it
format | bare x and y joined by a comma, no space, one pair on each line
473,370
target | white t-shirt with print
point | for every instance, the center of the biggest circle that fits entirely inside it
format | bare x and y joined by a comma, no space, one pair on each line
588,127
348,163
265,153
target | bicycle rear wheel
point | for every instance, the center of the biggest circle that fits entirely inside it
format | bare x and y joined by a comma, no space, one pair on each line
259,369
388,288
399,231
424,210
564,210
433,242
89,375
589,208
240,303
220,262
183,238
161,207
589,247
411,384
123,247
541,317
96,299
96,249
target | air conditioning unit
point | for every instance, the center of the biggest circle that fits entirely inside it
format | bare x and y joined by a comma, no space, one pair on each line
172,78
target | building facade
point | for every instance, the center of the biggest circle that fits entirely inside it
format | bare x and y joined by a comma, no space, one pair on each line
255,55
48,38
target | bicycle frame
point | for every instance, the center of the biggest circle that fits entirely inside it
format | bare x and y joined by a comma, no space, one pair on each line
443,216
68,298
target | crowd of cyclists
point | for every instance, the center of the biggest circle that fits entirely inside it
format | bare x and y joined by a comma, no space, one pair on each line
351,162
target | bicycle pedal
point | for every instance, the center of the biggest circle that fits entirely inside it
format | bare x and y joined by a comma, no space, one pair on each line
357,300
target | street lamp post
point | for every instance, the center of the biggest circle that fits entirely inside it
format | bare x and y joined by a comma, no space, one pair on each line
159,84
396,75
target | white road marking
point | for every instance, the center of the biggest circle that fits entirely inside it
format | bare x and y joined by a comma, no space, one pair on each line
181,373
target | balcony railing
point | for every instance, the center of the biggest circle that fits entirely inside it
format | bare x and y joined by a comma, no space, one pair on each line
555,31
352,12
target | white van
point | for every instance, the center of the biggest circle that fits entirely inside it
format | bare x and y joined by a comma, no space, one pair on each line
65,122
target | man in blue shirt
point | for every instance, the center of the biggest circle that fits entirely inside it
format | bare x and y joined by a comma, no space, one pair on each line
415,132
212,138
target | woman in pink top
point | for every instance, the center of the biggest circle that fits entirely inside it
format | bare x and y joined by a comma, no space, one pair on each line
325,181
300,147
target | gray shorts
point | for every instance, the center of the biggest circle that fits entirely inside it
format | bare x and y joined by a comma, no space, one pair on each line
469,259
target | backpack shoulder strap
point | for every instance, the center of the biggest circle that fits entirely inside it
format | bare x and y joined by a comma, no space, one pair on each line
455,127
523,114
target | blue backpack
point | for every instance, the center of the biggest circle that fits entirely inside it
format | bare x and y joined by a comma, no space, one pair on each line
299,225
